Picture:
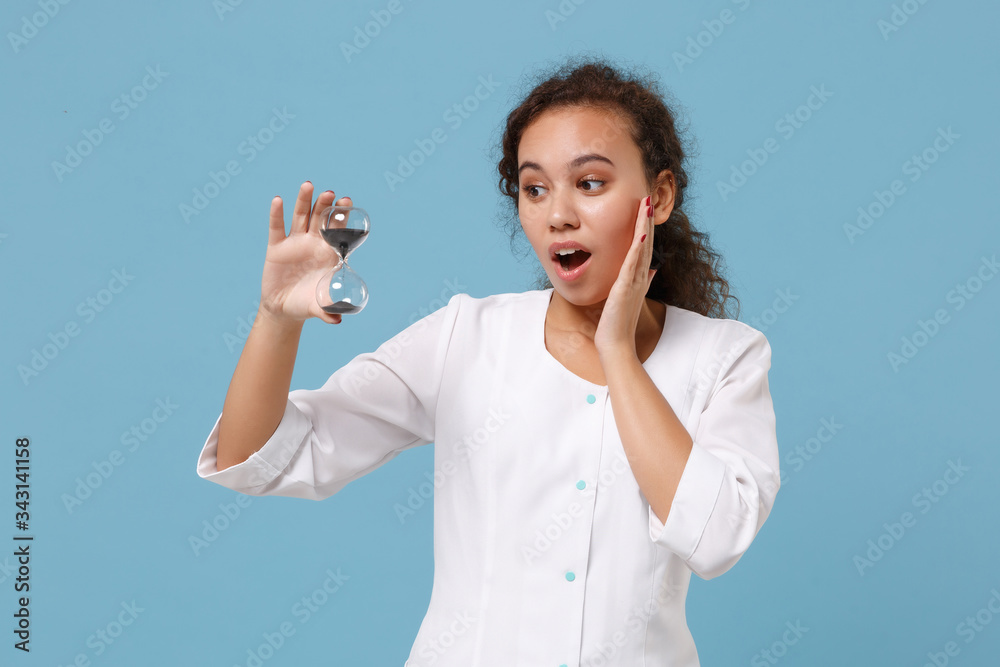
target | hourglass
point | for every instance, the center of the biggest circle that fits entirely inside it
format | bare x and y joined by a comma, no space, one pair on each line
341,290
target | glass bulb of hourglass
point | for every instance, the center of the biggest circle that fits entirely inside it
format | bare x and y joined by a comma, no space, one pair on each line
341,290
345,228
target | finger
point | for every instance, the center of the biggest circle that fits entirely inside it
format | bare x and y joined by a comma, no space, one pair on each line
302,207
276,230
641,219
647,260
320,211
329,318
650,230
643,254
639,215
345,201
637,254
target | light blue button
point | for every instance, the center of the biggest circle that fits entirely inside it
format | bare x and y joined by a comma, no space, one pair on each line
570,576
563,665
581,484
591,398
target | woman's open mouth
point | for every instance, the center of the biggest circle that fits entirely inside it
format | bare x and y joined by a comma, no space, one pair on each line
570,266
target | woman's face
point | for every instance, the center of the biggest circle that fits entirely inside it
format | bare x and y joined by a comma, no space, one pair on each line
581,180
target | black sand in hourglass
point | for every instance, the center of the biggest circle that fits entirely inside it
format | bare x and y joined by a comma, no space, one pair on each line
341,308
344,239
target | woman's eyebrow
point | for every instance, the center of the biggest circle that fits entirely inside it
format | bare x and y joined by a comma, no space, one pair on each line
575,162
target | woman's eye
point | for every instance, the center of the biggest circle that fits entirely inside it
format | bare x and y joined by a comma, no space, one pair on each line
530,190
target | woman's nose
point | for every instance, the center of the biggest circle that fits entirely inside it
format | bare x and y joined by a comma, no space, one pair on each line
561,212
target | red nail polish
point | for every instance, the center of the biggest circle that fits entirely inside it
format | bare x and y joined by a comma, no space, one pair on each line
643,238
649,211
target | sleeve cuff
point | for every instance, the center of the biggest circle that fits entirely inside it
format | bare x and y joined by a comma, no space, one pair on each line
264,465
693,504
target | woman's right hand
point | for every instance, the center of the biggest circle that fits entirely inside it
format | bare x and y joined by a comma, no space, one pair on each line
295,263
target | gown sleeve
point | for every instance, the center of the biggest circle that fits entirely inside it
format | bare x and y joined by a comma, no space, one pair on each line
377,405
731,477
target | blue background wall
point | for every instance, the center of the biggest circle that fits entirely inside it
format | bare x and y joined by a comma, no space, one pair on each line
174,331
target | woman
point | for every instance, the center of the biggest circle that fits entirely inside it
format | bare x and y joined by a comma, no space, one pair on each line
596,440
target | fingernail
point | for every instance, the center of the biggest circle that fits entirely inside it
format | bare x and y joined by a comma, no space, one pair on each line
643,238
649,211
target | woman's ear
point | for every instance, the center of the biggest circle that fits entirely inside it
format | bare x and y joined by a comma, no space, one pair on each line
663,196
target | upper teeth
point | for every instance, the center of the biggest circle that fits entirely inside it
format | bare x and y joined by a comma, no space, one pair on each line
566,251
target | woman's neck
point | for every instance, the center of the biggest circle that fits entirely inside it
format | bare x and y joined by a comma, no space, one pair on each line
569,317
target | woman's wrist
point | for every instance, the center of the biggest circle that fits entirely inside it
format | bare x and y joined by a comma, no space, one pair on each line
277,324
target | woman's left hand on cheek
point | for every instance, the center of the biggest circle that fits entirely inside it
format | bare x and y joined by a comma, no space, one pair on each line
616,330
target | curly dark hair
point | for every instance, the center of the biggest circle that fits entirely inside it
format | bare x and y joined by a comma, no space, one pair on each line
688,276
